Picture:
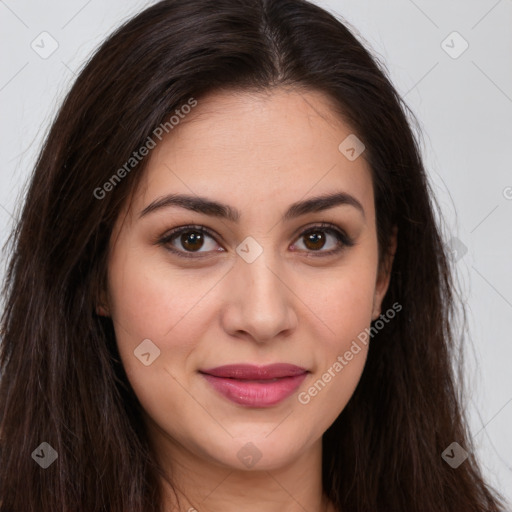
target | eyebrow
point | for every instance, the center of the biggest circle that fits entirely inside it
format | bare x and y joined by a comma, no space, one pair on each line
224,211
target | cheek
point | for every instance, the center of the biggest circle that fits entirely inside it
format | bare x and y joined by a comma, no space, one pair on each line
343,301
151,300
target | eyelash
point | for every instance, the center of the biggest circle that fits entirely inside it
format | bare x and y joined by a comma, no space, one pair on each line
341,237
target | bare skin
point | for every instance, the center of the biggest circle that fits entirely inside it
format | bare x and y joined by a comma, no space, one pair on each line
258,153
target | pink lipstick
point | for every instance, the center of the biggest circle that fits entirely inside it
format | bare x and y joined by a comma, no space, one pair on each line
255,386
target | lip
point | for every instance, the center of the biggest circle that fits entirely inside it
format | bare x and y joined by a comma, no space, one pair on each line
255,386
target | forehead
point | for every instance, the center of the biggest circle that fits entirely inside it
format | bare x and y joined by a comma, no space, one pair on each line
261,148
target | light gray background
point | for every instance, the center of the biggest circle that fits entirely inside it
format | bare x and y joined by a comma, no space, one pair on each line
464,105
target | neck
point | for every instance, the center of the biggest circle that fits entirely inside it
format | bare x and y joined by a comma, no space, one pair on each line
203,485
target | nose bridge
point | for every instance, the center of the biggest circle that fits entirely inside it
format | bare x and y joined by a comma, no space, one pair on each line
259,268
260,297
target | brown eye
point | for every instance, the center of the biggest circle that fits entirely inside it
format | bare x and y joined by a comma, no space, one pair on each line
191,240
315,240
197,241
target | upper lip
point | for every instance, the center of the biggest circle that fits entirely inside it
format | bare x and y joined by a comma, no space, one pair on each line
252,372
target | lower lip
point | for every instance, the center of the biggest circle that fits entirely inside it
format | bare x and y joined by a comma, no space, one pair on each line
254,393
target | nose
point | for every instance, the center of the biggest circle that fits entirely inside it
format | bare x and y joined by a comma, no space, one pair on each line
261,304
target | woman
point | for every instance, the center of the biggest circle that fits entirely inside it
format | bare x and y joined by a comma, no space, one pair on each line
228,290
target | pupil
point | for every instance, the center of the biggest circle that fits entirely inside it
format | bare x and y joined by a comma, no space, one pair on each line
316,239
188,240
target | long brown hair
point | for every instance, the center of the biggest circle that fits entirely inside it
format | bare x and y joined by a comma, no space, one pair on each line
62,381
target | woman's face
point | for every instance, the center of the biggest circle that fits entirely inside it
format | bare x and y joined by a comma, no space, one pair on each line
264,285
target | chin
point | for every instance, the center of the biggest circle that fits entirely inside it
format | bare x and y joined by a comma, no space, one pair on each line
259,452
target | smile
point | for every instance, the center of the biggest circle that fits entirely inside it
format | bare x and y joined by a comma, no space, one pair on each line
254,386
